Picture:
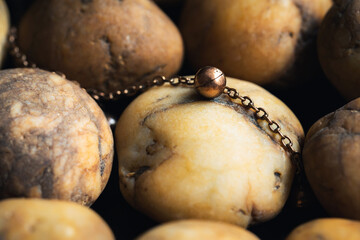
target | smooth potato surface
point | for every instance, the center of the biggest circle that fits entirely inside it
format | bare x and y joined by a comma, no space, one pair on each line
266,42
327,229
182,156
37,219
197,229
4,28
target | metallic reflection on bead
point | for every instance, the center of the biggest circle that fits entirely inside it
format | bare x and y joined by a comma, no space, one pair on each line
210,82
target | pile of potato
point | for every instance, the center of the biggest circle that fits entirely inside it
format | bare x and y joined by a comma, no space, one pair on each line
178,165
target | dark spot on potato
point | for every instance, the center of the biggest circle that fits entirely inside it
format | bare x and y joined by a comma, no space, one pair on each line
86,1
277,180
162,98
242,211
257,214
138,172
318,236
153,148
248,114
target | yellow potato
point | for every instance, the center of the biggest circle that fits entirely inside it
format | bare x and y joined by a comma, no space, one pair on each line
332,163
102,44
266,42
55,141
327,229
182,156
39,219
339,48
197,229
4,28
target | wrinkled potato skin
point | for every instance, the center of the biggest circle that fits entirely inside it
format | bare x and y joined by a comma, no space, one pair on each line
102,44
327,229
182,156
36,219
260,41
55,141
339,49
197,229
4,28
331,160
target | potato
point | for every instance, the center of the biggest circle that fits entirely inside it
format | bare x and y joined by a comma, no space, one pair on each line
197,229
35,219
339,48
4,28
181,156
266,42
55,141
332,163
327,229
102,44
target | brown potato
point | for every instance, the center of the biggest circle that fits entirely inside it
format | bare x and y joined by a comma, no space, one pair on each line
4,28
332,163
182,156
55,141
327,229
339,48
34,219
266,42
102,44
197,229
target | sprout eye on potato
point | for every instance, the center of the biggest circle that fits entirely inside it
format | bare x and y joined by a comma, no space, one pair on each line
55,141
4,28
182,156
102,44
266,42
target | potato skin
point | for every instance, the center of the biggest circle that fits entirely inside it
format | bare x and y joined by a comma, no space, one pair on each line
102,44
4,28
36,219
331,160
339,49
181,156
55,141
197,229
260,41
327,229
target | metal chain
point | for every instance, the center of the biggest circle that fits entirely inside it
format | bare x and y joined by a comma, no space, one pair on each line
131,91
19,57
273,126
260,113
21,60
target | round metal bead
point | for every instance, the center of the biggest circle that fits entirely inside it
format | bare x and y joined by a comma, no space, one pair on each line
210,82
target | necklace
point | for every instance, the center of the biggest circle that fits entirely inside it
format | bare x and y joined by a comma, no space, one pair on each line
209,82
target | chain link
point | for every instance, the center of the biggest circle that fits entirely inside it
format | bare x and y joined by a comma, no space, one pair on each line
21,60
261,114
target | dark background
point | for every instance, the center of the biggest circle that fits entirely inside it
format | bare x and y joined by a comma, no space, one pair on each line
309,102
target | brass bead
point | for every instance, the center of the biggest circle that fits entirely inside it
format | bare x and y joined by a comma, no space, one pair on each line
210,82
